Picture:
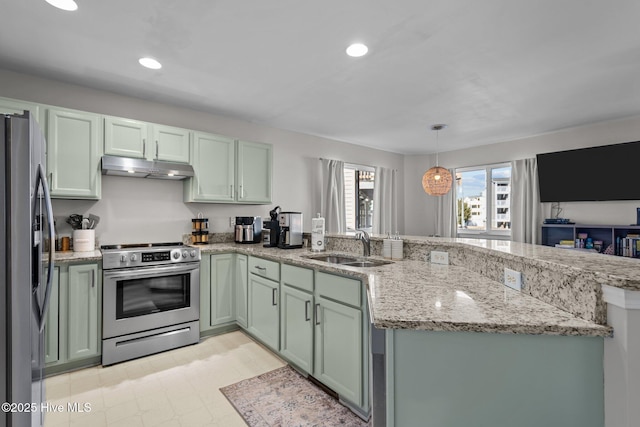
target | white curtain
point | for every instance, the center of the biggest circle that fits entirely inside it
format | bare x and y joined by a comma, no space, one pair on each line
525,201
332,205
385,201
446,225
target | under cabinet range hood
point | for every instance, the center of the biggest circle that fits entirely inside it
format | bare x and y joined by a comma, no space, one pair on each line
141,168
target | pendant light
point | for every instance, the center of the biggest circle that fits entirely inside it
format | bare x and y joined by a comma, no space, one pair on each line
437,180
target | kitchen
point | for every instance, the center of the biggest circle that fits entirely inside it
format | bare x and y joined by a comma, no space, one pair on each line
134,210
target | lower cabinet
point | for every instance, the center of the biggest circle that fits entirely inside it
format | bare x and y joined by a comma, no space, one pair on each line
338,348
296,327
264,310
73,331
222,289
241,287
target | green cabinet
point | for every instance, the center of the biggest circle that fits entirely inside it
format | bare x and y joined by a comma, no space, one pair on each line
83,312
222,289
341,337
133,138
241,288
73,331
74,141
51,327
263,301
213,161
229,171
296,316
254,178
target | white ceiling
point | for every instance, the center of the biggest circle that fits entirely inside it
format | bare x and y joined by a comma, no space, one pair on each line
493,70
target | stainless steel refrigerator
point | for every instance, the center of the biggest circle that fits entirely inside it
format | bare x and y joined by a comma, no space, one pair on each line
26,269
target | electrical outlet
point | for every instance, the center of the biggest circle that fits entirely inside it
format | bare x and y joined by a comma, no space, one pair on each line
438,257
232,221
513,279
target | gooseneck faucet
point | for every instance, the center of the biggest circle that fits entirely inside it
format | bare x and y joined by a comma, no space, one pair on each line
363,236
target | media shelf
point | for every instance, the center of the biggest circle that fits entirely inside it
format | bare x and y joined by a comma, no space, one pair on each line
552,234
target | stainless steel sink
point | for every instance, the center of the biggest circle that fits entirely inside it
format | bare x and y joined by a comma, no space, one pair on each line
371,263
350,261
333,259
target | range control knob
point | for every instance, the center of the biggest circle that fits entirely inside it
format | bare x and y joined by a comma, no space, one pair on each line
193,254
123,258
134,257
176,255
185,254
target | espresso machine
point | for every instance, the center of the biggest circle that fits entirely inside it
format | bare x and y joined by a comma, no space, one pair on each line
248,229
271,229
290,230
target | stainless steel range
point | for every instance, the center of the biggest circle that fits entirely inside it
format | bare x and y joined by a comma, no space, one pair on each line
150,299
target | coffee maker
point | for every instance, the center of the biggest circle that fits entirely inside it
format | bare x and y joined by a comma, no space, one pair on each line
248,229
290,230
271,229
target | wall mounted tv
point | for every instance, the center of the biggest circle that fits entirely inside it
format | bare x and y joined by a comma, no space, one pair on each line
608,172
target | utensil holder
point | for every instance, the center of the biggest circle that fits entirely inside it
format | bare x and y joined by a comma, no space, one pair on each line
84,240
386,248
397,249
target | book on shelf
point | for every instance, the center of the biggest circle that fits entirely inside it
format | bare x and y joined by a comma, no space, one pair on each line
628,246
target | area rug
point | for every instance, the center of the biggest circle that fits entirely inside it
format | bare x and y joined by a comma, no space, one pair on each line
284,398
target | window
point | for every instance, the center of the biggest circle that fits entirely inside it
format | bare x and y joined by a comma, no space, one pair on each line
483,201
358,192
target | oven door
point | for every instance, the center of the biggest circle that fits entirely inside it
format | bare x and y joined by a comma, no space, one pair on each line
143,299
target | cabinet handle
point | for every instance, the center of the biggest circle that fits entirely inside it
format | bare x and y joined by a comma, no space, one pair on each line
156,149
50,179
93,278
260,268
317,314
307,305
231,190
274,296
241,192
144,147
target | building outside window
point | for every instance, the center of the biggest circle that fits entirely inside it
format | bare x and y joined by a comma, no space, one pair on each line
483,201
359,182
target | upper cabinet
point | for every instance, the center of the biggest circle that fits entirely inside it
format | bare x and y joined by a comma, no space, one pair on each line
132,138
254,172
74,149
229,171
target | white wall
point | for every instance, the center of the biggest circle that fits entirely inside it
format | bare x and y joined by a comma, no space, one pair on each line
420,208
137,210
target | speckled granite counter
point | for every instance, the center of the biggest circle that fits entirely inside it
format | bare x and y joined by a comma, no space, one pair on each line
70,256
411,294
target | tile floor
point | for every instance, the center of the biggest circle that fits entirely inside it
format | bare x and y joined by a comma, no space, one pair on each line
174,388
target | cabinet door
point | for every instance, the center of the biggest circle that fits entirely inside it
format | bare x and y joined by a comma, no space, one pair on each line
83,311
254,172
125,137
296,327
52,324
222,289
338,348
74,141
241,289
14,106
263,310
213,161
170,144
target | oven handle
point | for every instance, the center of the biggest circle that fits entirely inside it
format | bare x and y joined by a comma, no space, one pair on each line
148,272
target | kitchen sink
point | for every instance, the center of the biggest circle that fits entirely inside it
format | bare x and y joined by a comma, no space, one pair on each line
350,261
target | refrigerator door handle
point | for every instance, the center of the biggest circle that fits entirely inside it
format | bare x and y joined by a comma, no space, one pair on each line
41,179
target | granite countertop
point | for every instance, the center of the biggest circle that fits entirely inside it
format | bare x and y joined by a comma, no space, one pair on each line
423,296
70,256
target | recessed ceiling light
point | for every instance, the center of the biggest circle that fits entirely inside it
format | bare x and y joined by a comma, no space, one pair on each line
150,63
357,49
69,5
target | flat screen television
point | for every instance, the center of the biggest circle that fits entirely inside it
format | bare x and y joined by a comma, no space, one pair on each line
608,172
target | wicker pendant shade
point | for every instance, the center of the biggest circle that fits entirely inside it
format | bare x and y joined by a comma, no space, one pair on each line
437,180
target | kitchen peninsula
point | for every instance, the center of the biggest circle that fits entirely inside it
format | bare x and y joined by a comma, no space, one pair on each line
459,347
